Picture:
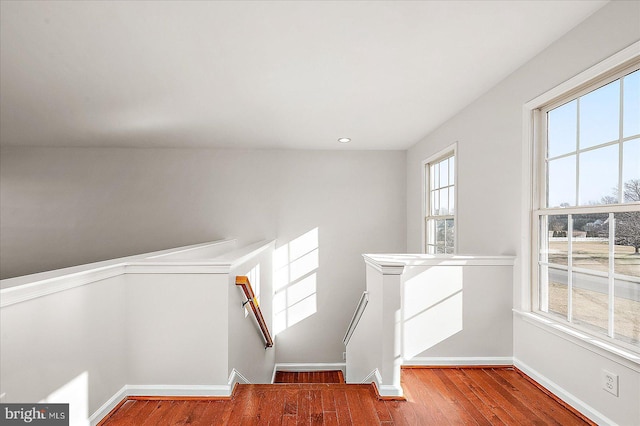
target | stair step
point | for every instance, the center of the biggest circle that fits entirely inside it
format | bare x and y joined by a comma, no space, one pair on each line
329,376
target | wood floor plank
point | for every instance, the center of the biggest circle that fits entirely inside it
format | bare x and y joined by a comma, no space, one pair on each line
330,418
240,400
328,376
315,407
458,380
401,412
435,396
328,400
196,416
521,414
145,410
177,413
274,408
486,399
379,406
290,402
159,413
528,393
425,407
342,408
460,397
359,414
303,417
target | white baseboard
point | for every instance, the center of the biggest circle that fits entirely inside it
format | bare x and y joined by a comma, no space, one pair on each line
561,393
179,390
106,408
237,377
383,390
461,361
295,366
162,390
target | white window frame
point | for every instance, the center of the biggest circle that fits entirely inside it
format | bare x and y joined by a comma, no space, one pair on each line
533,189
451,150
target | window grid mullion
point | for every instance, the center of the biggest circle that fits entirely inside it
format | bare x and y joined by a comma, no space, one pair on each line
577,199
570,268
611,306
620,135
593,148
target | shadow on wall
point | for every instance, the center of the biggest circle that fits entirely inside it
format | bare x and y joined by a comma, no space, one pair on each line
433,308
295,266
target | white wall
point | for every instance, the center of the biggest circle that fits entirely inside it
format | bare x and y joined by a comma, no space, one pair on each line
489,135
364,352
70,206
457,312
177,330
247,352
68,347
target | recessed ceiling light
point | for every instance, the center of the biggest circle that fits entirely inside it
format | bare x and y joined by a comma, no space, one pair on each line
344,140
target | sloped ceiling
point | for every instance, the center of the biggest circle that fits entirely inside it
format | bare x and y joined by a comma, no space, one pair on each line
263,74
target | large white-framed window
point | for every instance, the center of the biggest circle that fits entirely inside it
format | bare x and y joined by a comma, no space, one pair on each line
439,206
585,223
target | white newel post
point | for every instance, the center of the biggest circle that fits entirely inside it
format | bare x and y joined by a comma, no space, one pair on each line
391,331
384,283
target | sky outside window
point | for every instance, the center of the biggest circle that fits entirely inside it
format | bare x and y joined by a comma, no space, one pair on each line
585,123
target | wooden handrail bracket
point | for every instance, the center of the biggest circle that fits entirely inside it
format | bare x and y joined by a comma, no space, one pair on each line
243,282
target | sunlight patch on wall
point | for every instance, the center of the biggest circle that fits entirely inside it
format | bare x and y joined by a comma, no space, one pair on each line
75,393
294,280
432,308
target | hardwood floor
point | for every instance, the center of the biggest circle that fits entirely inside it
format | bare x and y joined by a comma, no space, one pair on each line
435,396
331,376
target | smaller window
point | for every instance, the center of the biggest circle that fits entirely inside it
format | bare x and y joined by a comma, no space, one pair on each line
440,204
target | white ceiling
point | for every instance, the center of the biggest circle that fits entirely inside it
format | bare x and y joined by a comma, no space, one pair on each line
263,74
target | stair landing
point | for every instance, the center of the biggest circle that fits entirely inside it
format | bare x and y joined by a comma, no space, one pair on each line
329,376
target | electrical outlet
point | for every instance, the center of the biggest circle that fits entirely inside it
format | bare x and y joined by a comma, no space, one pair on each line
610,382
344,356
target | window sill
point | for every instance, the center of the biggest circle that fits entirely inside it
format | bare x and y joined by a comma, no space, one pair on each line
623,356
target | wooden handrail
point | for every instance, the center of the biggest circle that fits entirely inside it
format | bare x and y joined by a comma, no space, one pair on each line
243,282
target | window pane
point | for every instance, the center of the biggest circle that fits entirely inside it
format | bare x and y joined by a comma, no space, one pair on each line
435,202
590,301
449,233
600,115
444,201
599,175
631,113
452,198
451,171
631,170
435,178
590,242
557,242
444,173
563,124
626,251
431,232
562,182
440,231
558,293
626,323
432,176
